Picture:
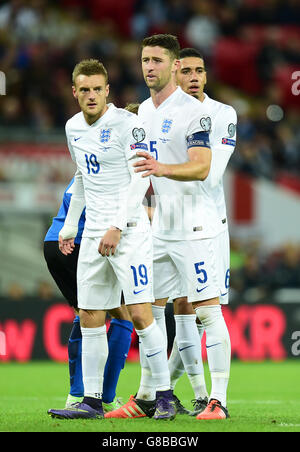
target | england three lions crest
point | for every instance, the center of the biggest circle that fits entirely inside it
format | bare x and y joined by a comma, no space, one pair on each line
166,125
105,135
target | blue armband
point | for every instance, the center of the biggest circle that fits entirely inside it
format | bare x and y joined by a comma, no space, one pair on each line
198,139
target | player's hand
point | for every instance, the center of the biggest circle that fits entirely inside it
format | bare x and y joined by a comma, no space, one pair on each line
66,246
109,242
151,166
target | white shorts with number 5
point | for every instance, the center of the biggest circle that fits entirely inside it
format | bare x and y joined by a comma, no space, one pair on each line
101,279
198,269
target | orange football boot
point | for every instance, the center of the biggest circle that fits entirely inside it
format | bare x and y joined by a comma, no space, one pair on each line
133,409
214,410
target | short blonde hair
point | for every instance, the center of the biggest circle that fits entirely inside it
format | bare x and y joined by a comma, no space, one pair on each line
133,108
89,67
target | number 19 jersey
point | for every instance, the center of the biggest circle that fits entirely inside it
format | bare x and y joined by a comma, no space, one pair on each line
103,153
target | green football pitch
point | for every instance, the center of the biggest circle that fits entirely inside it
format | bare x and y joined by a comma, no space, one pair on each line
262,397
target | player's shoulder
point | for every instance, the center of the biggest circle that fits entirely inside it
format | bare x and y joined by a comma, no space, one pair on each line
145,105
74,121
191,104
184,98
124,116
219,108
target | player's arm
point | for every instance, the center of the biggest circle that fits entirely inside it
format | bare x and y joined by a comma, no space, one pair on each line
135,195
77,203
224,144
136,192
70,229
197,166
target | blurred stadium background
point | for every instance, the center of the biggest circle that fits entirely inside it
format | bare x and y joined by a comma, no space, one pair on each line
252,54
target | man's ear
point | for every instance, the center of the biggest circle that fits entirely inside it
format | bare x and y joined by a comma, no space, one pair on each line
74,92
176,65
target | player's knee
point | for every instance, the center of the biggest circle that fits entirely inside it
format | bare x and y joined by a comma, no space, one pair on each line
161,302
140,320
182,307
121,313
91,319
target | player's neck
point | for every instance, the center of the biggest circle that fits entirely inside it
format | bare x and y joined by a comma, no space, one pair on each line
158,97
92,119
201,97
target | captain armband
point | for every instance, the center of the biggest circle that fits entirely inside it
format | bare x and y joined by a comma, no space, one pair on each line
198,139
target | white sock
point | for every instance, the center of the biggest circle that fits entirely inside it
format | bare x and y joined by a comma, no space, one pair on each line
201,330
159,315
218,349
94,356
189,346
176,366
147,390
155,350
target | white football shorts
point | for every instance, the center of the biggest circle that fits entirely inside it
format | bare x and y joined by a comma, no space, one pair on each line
198,269
101,279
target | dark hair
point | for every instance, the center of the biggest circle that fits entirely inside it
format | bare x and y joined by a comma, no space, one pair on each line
89,67
190,52
166,41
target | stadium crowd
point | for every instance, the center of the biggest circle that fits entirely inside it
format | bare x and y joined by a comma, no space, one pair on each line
246,45
251,48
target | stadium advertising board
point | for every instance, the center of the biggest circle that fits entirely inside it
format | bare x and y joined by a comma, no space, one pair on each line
35,330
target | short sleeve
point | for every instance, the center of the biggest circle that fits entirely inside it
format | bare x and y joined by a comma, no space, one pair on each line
198,130
134,138
200,122
224,133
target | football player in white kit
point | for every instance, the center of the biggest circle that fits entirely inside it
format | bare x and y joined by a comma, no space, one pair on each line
191,77
189,228
116,249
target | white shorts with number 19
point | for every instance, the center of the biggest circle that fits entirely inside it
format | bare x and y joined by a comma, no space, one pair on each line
101,279
198,269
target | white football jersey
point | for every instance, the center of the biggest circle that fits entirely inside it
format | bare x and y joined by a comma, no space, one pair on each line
222,139
185,210
103,153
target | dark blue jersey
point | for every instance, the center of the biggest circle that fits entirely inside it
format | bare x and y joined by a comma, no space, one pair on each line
58,221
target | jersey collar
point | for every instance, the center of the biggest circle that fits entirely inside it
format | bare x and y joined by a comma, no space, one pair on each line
168,99
102,118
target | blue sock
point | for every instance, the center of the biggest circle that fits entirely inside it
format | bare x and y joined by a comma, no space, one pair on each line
119,340
74,352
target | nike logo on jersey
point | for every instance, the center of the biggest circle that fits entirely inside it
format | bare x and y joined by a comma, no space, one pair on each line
138,291
76,139
223,294
200,290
